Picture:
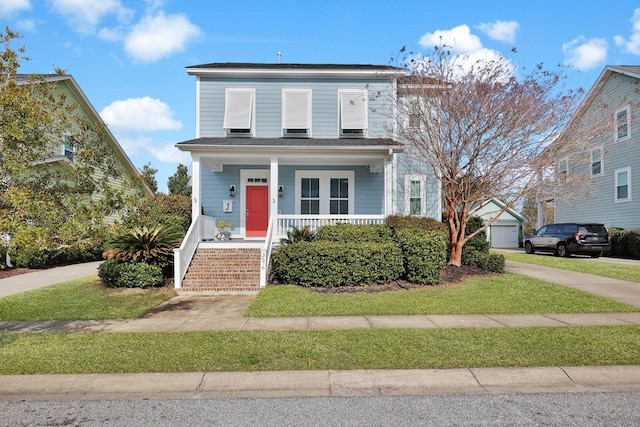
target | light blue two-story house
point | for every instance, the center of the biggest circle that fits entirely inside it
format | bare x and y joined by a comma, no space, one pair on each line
612,163
283,145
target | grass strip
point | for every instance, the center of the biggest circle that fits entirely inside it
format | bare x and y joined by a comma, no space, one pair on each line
92,353
81,299
506,293
627,272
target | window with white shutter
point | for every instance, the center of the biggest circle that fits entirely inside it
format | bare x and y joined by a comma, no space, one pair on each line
239,110
353,112
296,112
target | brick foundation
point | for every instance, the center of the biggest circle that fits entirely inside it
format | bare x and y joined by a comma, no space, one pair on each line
223,270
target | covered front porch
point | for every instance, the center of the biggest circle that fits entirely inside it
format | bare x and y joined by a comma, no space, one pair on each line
260,193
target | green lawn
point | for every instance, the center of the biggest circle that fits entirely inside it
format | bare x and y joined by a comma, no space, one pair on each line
81,299
57,353
582,265
502,293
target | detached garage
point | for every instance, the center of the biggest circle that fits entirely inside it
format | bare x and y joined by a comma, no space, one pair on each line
506,232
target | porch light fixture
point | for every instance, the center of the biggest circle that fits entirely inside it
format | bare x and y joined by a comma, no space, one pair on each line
280,191
232,190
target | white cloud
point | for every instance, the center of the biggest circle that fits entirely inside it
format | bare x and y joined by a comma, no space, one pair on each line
459,39
7,7
504,31
139,115
85,15
633,44
134,145
168,153
159,36
26,25
584,55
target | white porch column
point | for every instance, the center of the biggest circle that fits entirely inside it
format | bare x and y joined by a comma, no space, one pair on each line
389,185
196,190
273,187
540,221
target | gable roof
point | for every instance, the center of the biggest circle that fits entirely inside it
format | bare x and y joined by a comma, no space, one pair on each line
73,86
500,205
626,70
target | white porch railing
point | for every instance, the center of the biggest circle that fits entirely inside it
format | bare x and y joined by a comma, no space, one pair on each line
204,227
265,252
287,222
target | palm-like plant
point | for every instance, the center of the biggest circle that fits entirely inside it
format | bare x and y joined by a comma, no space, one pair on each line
149,245
298,235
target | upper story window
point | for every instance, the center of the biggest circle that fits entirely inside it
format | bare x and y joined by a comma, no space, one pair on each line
563,169
239,111
68,149
353,112
596,162
296,112
622,119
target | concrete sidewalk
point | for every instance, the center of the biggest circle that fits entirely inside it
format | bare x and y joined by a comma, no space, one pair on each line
201,385
47,277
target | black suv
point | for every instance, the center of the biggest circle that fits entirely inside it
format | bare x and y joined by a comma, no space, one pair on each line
570,238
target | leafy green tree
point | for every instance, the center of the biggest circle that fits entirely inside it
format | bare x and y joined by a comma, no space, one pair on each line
51,202
148,175
179,182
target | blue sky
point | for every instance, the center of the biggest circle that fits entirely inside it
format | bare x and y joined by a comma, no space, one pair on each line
129,57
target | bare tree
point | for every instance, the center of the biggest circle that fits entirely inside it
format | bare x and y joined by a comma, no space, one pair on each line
485,128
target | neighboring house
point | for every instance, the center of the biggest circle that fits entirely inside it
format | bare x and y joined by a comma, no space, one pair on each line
507,230
612,196
61,154
283,145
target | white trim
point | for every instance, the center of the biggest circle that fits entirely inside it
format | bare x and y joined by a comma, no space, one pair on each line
601,162
198,106
407,193
627,109
294,117
245,174
325,187
615,184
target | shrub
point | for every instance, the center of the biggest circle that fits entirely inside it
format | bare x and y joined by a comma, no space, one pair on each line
424,254
631,243
399,222
486,261
116,274
153,246
617,247
330,264
355,233
171,210
296,235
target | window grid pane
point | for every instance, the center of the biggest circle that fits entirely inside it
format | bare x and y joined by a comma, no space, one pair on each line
621,123
339,196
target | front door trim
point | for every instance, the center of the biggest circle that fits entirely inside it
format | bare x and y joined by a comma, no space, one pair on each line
258,177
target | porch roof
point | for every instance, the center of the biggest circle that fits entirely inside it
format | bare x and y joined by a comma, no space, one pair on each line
217,151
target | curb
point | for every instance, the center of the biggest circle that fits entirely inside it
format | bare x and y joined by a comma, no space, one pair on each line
200,385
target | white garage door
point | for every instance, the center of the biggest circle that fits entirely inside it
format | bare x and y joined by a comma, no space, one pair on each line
504,236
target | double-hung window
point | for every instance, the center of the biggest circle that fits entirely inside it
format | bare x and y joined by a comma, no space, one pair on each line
563,169
596,162
324,192
622,120
239,111
353,105
622,185
414,187
68,149
296,112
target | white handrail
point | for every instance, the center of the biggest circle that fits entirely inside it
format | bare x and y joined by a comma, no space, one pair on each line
287,222
265,252
183,255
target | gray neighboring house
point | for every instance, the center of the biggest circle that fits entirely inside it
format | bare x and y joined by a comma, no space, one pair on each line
613,162
507,230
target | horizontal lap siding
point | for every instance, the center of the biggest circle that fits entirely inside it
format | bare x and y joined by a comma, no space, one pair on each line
596,203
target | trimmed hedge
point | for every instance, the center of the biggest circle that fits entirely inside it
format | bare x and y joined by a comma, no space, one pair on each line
625,243
424,254
116,274
399,222
486,261
331,264
351,233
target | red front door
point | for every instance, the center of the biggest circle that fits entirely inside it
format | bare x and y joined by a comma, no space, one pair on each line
257,210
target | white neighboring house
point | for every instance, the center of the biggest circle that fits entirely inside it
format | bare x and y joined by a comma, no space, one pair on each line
506,231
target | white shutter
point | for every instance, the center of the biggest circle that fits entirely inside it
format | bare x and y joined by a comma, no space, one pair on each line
238,109
297,110
353,110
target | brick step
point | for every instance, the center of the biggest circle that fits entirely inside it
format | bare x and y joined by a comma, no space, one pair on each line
223,270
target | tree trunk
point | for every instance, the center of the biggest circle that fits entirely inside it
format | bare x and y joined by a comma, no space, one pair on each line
455,257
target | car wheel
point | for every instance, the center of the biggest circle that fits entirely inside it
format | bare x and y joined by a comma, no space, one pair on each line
562,250
596,255
528,248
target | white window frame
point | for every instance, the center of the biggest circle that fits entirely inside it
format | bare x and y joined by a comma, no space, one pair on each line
616,137
240,119
615,185
71,148
593,161
325,187
353,118
296,112
562,175
408,179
